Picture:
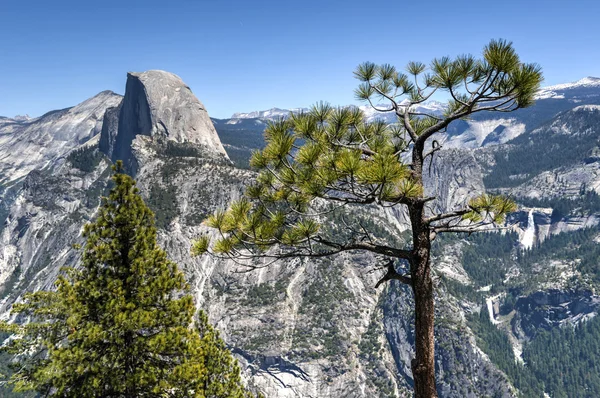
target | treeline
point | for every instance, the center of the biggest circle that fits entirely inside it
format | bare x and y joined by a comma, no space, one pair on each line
86,159
240,139
566,360
484,256
495,343
563,362
578,247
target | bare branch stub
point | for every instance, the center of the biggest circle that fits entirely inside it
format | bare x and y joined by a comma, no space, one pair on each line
392,274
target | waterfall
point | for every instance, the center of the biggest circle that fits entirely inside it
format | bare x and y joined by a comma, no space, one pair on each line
490,307
528,237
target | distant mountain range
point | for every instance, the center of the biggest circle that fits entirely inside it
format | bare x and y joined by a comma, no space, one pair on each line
433,107
482,130
576,91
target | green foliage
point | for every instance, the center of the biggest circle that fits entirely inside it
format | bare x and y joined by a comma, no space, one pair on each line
222,378
163,201
461,291
265,294
185,153
177,149
492,207
484,256
323,300
500,75
328,157
240,139
578,247
487,256
329,160
566,360
496,345
121,324
370,350
86,159
6,370
334,154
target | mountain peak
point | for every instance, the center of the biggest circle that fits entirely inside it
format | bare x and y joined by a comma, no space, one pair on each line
158,104
568,90
589,80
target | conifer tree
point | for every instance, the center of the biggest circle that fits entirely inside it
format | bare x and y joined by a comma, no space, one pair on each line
335,156
121,324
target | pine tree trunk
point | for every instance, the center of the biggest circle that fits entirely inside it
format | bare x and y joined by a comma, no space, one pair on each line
423,365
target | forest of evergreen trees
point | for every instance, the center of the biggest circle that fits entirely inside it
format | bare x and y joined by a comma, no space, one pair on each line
561,362
85,159
122,323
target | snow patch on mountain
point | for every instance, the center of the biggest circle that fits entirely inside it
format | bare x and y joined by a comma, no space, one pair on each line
557,91
587,108
430,107
485,133
273,113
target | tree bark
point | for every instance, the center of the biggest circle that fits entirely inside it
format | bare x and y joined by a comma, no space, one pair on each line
423,365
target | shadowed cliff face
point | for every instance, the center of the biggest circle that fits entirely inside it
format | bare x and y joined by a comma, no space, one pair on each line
160,105
110,126
134,119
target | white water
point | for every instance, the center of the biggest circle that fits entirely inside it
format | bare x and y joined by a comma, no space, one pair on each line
490,307
528,237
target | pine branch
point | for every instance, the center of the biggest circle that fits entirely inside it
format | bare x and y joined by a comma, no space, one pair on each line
444,216
392,274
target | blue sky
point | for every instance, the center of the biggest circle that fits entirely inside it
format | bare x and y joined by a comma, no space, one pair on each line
239,56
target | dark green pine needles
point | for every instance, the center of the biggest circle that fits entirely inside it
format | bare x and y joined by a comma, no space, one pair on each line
121,324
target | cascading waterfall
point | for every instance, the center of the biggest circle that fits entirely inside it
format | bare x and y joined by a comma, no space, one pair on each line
490,307
528,237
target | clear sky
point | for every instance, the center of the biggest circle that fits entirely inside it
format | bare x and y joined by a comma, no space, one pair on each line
239,56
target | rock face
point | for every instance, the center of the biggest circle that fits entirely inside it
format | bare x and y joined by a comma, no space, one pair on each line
544,310
110,128
453,177
158,104
29,144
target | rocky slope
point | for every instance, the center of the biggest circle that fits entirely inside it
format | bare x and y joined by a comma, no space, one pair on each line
33,144
309,328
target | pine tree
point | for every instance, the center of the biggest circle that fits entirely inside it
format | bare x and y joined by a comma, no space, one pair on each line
336,157
121,324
